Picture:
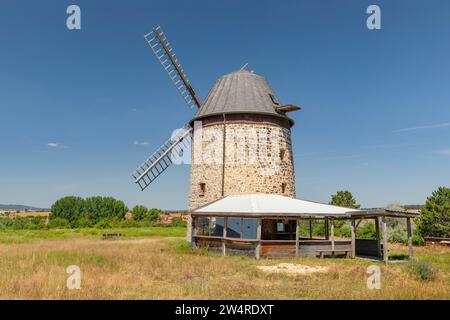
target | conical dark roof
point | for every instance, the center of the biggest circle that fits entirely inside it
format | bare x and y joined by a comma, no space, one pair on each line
241,91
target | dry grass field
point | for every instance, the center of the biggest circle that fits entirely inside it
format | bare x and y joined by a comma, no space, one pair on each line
24,214
155,267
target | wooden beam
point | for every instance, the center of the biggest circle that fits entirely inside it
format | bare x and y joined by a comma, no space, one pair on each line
353,238
297,234
327,236
258,239
359,221
224,235
193,233
378,238
310,229
332,233
410,245
385,240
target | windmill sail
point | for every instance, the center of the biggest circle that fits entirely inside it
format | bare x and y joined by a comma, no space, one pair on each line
157,41
163,157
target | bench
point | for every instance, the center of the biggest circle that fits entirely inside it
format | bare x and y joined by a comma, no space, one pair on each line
322,252
111,235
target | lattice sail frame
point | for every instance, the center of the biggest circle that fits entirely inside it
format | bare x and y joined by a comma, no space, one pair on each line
161,159
163,51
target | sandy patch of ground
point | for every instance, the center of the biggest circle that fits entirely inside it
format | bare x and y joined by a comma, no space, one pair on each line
291,268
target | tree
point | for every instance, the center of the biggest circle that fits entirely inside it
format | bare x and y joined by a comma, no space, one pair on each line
69,208
139,213
153,214
104,207
344,199
434,220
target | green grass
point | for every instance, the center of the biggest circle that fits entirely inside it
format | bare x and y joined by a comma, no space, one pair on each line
422,270
20,236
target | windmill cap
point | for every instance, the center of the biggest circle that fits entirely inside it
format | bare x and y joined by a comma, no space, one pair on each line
242,92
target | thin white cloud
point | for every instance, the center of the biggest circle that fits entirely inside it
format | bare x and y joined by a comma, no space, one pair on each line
56,145
305,154
392,145
362,165
346,157
432,126
445,152
140,143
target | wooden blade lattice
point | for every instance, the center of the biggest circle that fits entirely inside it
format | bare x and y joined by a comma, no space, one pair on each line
161,159
161,47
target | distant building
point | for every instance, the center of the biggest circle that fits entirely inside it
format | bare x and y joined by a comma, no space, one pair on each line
128,216
168,218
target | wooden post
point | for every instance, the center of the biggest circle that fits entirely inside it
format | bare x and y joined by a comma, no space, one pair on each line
188,231
332,233
385,240
310,229
378,238
353,238
327,236
258,238
193,231
224,235
410,246
297,231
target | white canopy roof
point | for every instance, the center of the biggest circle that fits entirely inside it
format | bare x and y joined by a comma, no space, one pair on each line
269,205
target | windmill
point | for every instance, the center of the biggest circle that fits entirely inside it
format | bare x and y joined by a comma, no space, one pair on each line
241,115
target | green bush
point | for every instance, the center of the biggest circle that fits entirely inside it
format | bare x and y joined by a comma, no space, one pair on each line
81,223
366,230
139,213
58,223
30,226
422,270
6,223
319,229
397,235
19,223
35,223
177,222
129,224
417,239
153,214
398,256
144,224
344,231
107,223
181,246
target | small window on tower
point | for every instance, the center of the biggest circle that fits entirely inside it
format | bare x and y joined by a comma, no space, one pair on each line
202,186
283,187
274,99
282,153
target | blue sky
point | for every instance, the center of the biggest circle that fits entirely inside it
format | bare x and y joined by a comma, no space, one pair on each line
376,104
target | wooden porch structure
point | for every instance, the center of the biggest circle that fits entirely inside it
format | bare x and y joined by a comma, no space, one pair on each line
276,234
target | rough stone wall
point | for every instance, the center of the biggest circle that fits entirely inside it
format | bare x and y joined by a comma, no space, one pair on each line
253,161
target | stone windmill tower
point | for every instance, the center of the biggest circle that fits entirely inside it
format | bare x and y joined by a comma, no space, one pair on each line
241,135
245,141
